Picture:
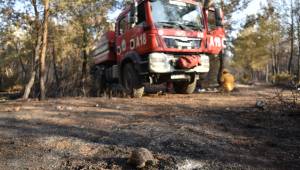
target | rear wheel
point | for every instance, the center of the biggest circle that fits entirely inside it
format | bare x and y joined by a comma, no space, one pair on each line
185,87
131,81
98,87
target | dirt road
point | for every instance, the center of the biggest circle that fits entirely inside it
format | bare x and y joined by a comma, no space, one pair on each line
198,131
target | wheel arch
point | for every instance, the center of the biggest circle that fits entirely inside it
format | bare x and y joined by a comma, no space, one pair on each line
131,57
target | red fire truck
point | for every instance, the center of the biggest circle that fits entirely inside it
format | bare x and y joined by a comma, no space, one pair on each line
157,41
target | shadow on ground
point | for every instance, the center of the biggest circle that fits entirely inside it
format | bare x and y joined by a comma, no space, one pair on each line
220,137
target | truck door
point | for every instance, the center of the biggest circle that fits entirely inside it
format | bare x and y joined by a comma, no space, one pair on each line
130,32
215,31
121,43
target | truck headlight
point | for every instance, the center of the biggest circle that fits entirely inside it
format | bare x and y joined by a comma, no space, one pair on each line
157,59
159,62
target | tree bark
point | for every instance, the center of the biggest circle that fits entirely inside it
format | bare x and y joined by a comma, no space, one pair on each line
221,66
36,52
48,71
55,68
274,72
267,73
292,39
277,64
298,33
298,75
44,51
23,69
84,72
212,75
84,62
21,62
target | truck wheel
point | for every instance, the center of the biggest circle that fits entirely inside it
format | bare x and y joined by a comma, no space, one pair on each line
98,84
184,87
100,81
131,81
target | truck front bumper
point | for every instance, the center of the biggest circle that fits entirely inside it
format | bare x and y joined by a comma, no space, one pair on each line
164,63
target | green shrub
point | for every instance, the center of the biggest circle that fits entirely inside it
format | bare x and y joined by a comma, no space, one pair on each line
282,79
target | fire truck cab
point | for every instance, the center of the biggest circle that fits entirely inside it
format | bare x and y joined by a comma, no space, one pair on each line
156,41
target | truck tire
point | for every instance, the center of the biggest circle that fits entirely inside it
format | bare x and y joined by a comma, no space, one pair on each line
131,81
184,87
98,85
100,81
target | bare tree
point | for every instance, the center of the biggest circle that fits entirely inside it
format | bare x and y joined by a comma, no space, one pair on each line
36,51
292,38
298,36
44,50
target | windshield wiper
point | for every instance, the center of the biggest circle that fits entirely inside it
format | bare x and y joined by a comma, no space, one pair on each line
193,26
173,24
167,24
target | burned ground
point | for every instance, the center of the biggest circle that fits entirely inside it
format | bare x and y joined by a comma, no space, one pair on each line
198,131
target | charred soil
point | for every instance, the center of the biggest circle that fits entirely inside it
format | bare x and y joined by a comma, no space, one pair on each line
197,131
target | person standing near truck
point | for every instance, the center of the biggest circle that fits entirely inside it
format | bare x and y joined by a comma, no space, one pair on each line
227,81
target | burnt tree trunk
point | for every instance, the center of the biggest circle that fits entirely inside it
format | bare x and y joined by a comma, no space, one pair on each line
84,72
43,51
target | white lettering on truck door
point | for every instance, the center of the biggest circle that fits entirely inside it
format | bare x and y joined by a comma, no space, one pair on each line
138,41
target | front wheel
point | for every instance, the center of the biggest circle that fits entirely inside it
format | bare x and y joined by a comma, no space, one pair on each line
184,87
131,81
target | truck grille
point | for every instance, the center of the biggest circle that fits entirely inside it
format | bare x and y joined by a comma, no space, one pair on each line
182,43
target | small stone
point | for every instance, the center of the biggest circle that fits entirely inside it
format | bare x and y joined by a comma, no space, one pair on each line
17,109
59,108
201,90
140,157
160,93
260,104
69,108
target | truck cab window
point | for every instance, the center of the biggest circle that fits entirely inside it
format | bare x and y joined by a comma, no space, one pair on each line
122,26
211,20
173,13
141,13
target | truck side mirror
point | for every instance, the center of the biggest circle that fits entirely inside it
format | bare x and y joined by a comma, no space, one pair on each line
219,17
133,13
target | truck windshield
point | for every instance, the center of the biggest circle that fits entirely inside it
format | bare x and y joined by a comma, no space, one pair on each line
174,13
